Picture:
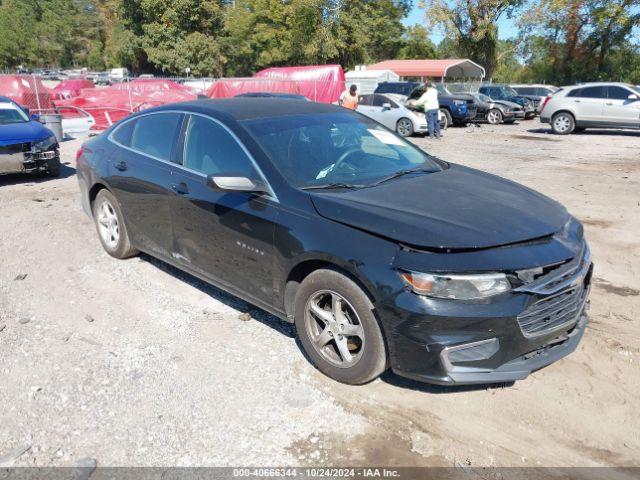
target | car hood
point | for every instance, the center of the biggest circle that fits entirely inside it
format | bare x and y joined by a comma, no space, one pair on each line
23,132
457,208
507,103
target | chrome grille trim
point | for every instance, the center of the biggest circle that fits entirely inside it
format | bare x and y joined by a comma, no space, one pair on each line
553,313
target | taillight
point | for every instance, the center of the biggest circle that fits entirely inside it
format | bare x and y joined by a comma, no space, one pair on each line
79,153
546,100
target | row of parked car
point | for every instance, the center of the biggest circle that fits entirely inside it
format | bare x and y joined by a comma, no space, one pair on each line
391,104
567,109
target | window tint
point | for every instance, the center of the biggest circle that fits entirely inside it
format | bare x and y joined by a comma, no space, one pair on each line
618,93
210,149
379,100
122,134
526,90
155,134
365,100
592,92
575,93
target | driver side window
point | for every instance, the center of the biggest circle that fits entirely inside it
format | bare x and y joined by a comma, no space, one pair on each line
210,149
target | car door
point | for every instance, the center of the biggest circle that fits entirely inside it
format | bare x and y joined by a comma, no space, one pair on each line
140,176
588,104
619,110
223,235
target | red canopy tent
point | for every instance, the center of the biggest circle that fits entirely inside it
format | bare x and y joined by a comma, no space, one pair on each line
320,83
71,88
450,67
27,91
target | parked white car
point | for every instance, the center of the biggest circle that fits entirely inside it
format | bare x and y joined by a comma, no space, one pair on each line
592,105
118,74
389,109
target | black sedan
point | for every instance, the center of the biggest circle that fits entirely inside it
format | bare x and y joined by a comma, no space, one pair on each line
381,254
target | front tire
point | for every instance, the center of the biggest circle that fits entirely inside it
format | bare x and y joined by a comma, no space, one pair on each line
448,119
110,226
404,127
337,328
563,123
494,116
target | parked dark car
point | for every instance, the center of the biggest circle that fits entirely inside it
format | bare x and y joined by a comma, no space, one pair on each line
381,254
505,92
399,88
497,111
458,109
26,145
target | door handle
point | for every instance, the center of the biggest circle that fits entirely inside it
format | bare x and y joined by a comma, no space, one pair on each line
122,166
577,101
180,188
609,103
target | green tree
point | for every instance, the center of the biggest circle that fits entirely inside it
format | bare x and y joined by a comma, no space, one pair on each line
417,44
579,36
472,24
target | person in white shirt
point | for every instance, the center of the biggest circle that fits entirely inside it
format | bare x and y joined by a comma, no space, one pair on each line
429,100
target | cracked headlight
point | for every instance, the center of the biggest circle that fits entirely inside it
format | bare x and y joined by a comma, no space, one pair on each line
458,287
45,144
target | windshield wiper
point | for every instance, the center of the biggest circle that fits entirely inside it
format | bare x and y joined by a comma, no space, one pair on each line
331,186
400,173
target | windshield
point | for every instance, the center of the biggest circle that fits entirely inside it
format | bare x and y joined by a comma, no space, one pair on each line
335,148
442,90
11,113
510,91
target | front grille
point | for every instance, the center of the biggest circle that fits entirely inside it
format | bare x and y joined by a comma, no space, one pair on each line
553,312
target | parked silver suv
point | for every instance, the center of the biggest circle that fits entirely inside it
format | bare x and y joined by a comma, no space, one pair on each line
592,105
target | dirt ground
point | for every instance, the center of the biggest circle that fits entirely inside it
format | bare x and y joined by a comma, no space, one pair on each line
134,363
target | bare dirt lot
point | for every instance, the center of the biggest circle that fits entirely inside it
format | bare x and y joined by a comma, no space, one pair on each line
133,363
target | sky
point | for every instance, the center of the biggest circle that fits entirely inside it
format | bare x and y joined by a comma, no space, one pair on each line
506,27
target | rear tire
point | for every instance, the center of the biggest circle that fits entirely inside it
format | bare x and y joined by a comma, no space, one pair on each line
337,328
111,227
563,123
404,127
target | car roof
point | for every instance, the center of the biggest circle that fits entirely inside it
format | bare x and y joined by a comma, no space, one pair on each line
5,99
250,108
598,84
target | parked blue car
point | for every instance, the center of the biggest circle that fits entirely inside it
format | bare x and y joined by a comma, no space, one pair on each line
26,146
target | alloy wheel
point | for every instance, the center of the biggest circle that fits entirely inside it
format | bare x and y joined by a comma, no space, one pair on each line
334,328
405,128
493,117
561,123
108,224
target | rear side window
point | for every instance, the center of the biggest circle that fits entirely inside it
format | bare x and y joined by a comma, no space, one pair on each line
122,133
526,90
210,149
156,134
618,93
592,92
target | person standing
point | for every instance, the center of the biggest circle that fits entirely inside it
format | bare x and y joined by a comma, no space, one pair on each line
349,98
429,101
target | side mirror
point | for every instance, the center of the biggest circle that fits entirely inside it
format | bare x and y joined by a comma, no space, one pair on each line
35,117
232,183
633,97
386,106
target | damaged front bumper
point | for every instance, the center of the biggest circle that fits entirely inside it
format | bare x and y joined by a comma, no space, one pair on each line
25,158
